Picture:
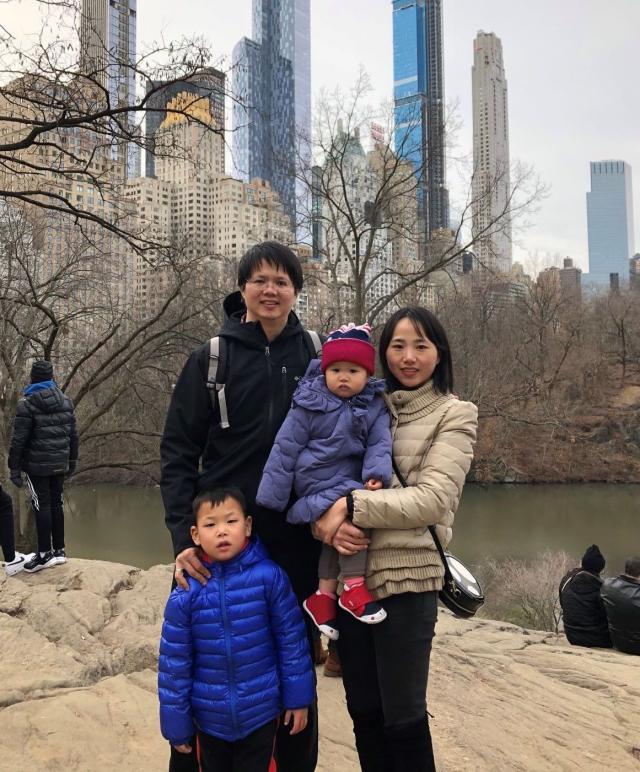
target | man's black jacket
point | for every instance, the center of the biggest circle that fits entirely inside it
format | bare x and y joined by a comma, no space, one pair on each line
585,621
198,455
621,597
44,439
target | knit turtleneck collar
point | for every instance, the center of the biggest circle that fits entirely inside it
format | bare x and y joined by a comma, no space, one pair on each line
421,400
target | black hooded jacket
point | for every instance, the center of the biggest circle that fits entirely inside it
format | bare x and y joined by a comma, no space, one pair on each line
198,455
585,621
621,597
44,437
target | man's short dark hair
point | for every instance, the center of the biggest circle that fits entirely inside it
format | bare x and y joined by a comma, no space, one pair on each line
216,497
632,567
274,254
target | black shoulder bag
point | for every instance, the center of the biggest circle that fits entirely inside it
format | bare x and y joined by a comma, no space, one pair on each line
461,592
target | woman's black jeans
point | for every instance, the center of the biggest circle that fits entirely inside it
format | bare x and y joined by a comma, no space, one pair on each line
385,668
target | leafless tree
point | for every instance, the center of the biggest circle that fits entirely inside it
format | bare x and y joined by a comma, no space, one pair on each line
117,361
366,210
526,592
64,121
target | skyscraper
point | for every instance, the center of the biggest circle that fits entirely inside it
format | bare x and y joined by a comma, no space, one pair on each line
491,177
419,102
107,52
208,83
272,107
610,220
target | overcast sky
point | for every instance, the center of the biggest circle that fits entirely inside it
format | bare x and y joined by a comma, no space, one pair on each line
572,69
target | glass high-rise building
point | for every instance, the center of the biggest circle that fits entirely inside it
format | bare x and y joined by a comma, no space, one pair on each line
610,221
108,53
418,86
208,83
272,100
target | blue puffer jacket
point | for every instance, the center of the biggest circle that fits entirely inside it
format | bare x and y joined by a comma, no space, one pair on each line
233,652
326,447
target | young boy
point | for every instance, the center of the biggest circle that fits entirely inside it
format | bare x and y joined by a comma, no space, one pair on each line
335,439
233,652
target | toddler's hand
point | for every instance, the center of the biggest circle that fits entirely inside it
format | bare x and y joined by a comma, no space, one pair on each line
184,748
373,484
297,718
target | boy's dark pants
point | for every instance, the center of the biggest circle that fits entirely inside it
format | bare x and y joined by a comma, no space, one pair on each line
46,495
251,754
7,538
385,669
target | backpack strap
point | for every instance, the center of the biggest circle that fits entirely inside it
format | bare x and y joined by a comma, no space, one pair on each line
216,378
314,344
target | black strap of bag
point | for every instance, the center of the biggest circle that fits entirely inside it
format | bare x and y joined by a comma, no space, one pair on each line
461,592
432,528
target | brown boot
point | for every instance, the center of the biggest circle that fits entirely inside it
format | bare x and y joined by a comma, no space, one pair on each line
319,651
332,667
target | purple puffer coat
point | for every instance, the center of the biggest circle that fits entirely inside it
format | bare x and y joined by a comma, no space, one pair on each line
326,447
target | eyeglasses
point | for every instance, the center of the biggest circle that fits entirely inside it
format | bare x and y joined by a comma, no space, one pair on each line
282,285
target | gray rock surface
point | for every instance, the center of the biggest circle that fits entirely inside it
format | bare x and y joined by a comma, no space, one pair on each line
78,648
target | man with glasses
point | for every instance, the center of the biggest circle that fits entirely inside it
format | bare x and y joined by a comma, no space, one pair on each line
266,353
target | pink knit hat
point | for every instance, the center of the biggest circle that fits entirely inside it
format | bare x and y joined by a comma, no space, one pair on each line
350,344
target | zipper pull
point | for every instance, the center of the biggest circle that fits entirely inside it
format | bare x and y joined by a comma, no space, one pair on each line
266,351
284,371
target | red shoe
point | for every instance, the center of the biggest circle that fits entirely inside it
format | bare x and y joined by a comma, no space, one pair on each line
361,604
322,609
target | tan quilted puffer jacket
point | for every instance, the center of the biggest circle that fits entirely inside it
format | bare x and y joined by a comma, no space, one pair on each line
433,439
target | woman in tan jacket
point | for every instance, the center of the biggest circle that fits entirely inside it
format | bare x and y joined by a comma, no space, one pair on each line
386,666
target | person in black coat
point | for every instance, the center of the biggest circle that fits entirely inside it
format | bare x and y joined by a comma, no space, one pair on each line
585,620
266,353
44,446
621,596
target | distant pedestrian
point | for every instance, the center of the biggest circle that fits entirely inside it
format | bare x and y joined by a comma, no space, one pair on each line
621,596
585,620
44,446
13,561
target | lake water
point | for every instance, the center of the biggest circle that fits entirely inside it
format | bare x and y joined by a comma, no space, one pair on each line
126,524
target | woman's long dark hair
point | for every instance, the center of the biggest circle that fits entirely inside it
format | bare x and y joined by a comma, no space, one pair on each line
427,324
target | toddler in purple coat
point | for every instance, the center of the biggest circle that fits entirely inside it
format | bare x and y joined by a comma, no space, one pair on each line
336,438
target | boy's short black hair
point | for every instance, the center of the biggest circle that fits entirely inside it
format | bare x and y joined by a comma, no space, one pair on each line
274,254
216,497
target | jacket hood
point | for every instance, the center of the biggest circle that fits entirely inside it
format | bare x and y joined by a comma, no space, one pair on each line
48,399
312,392
251,333
39,386
584,582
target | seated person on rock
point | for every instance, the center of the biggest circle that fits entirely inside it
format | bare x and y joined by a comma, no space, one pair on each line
621,596
234,653
585,621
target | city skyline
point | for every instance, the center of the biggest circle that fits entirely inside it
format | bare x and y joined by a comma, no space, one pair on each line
558,130
591,115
